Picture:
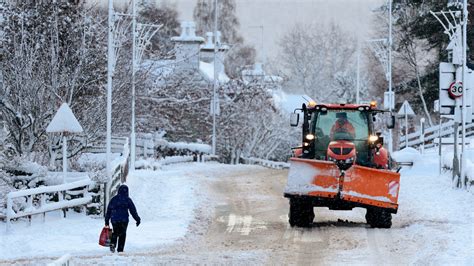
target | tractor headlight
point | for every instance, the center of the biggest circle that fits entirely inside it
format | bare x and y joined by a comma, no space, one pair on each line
373,138
310,137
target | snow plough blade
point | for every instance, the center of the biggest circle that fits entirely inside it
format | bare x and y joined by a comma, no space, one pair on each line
313,178
358,184
376,187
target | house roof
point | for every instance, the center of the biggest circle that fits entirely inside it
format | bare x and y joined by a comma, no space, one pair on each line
207,69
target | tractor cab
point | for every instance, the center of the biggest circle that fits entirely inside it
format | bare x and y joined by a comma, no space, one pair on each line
341,133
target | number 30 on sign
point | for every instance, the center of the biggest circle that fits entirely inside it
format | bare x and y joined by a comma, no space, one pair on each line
455,90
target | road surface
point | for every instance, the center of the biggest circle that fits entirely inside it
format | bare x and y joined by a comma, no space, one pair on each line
245,222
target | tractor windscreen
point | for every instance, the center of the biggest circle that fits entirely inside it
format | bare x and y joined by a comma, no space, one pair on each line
334,125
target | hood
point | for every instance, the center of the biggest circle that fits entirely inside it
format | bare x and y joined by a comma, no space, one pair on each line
123,191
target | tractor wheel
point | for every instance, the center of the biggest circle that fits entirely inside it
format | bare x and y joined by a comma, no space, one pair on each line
378,218
301,213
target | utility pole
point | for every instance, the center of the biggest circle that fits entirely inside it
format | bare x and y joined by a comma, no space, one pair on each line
390,143
216,83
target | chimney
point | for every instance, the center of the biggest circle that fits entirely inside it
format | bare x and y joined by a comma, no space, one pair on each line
187,46
207,50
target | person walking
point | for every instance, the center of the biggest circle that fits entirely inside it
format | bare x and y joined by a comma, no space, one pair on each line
117,212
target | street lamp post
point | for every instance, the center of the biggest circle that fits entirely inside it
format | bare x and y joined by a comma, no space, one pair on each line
110,60
215,84
463,114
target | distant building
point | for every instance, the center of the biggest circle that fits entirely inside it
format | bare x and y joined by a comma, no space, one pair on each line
194,53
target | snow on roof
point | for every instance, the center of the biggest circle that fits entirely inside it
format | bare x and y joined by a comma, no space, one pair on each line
188,33
207,69
64,121
258,73
289,102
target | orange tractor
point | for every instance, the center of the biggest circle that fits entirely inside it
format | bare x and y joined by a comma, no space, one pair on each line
341,164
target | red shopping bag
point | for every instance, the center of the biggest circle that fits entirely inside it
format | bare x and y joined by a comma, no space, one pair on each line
105,237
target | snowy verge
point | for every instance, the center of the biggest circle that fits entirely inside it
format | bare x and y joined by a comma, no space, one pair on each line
406,155
431,209
165,200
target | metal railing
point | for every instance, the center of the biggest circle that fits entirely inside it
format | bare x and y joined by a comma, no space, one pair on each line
119,174
431,134
37,202
62,261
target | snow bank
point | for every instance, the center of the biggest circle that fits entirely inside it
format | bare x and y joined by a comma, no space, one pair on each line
153,164
406,155
447,161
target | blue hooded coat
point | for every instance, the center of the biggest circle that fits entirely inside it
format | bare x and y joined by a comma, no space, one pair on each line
119,206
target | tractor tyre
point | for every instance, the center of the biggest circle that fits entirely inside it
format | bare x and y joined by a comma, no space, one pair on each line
301,213
378,218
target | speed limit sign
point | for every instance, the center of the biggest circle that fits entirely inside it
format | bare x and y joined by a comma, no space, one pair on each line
455,90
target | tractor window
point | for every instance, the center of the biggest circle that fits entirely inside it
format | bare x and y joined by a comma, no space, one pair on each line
334,125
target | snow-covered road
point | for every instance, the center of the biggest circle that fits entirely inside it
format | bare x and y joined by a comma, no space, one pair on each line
222,214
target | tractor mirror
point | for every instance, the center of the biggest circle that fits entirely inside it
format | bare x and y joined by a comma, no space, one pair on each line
294,119
391,122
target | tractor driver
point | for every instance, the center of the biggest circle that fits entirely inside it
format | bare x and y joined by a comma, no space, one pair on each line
342,128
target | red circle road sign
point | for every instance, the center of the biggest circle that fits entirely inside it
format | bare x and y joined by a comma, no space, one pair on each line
455,90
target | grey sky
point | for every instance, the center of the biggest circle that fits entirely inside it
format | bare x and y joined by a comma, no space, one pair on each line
277,16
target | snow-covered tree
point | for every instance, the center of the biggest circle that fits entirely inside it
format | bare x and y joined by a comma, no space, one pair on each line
250,125
238,58
179,105
317,59
228,23
165,15
52,53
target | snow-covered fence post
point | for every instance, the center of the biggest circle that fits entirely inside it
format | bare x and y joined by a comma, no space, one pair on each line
422,135
29,207
42,204
9,211
145,148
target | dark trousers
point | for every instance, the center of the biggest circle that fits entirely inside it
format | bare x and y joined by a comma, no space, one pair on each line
120,233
